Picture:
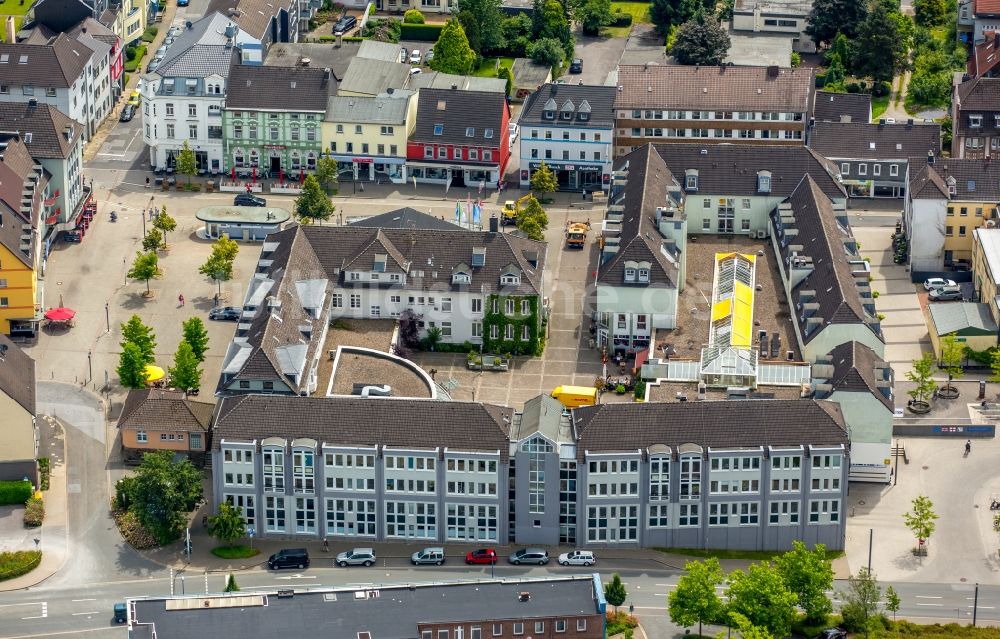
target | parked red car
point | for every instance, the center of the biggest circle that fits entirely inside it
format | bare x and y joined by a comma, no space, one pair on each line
481,556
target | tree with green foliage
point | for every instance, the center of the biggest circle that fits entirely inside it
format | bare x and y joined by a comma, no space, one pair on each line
878,32
746,628
131,367
808,574
185,374
195,334
701,41
186,162
504,73
924,384
145,266
483,23
995,365
543,180
135,332
165,224
326,169
695,599
671,13
231,584
518,34
548,52
830,17
761,595
162,492
614,591
859,606
153,240
219,265
892,601
312,203
921,518
952,353
227,525
532,220
929,13
452,53
550,21
413,16
592,15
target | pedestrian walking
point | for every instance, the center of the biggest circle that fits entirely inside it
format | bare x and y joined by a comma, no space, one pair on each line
326,545
215,300
180,299
147,182
968,446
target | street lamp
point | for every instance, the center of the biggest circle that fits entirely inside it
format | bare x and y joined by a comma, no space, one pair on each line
107,315
90,368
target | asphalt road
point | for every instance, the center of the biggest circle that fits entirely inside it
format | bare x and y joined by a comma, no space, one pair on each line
85,611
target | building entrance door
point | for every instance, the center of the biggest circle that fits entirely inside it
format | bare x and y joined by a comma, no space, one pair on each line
275,164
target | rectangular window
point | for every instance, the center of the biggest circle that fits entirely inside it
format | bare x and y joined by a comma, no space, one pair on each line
497,629
845,168
581,625
893,170
560,625
539,627
518,628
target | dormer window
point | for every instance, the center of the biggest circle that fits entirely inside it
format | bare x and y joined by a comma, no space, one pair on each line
438,129
975,121
583,116
461,277
763,181
379,266
644,275
470,132
630,275
549,115
952,185
691,180
567,115
512,278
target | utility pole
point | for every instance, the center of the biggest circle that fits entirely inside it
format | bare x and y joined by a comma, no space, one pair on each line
871,537
975,605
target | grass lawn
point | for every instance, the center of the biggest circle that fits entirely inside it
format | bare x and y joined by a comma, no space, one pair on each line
640,14
489,67
737,554
234,552
879,105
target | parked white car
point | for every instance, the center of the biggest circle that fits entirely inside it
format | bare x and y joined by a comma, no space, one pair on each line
415,57
577,558
512,130
937,282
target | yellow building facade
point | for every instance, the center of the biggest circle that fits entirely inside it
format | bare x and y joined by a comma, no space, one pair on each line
961,221
367,136
18,289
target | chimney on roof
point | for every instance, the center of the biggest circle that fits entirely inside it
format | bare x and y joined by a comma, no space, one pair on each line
494,224
909,123
327,74
930,157
881,121
9,30
772,71
68,131
32,103
454,87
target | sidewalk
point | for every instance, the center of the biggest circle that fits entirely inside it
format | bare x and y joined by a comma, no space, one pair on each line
54,533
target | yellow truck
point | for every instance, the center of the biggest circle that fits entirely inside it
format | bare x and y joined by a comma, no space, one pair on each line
512,208
575,396
576,234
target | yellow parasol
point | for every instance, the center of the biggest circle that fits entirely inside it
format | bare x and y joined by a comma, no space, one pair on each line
153,373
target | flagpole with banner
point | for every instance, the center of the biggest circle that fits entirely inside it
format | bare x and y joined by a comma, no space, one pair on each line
458,212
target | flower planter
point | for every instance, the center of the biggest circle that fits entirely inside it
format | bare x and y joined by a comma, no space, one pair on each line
948,392
918,407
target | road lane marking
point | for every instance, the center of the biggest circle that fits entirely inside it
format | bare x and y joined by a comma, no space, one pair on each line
95,612
80,600
45,611
929,604
927,597
27,603
53,634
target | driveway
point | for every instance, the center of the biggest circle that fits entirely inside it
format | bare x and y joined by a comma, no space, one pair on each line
644,44
600,57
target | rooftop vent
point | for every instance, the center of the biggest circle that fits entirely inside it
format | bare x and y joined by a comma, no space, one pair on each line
524,595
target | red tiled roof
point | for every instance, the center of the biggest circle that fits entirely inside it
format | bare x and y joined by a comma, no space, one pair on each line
985,55
986,7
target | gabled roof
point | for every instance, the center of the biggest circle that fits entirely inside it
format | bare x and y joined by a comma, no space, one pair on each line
47,125
59,15
167,410
986,7
979,94
731,169
17,374
721,424
970,180
544,415
600,100
278,88
822,237
407,218
925,183
383,109
985,55
458,112
373,77
956,317
857,368
438,80
834,107
18,179
375,50
57,64
201,51
724,88
402,423
843,140
253,16
641,241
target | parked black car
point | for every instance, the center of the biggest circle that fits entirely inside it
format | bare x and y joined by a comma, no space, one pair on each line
128,112
289,558
576,66
248,199
345,24
225,314
73,237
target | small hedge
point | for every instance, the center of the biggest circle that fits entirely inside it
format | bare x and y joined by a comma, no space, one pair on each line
621,19
413,16
422,32
137,54
21,562
149,34
34,512
133,532
44,469
14,492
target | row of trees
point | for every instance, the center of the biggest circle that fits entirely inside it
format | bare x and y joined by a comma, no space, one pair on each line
953,355
138,351
852,29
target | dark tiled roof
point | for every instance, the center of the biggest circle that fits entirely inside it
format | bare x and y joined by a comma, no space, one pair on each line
821,237
980,94
252,16
459,111
200,51
874,141
722,424
154,409
57,64
278,88
17,374
47,126
831,107
985,55
601,100
409,423
17,177
61,15
645,190
435,253
854,369
724,88
731,169
406,218
971,179
925,181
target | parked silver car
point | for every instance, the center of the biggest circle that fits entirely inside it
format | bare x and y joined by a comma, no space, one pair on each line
356,557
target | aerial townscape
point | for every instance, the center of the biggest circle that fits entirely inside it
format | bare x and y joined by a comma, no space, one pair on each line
457,319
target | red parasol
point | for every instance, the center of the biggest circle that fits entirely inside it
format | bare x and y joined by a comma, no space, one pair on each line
302,175
233,174
60,314
254,179
281,176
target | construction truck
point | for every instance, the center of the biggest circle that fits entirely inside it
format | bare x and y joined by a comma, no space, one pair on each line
512,208
576,234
